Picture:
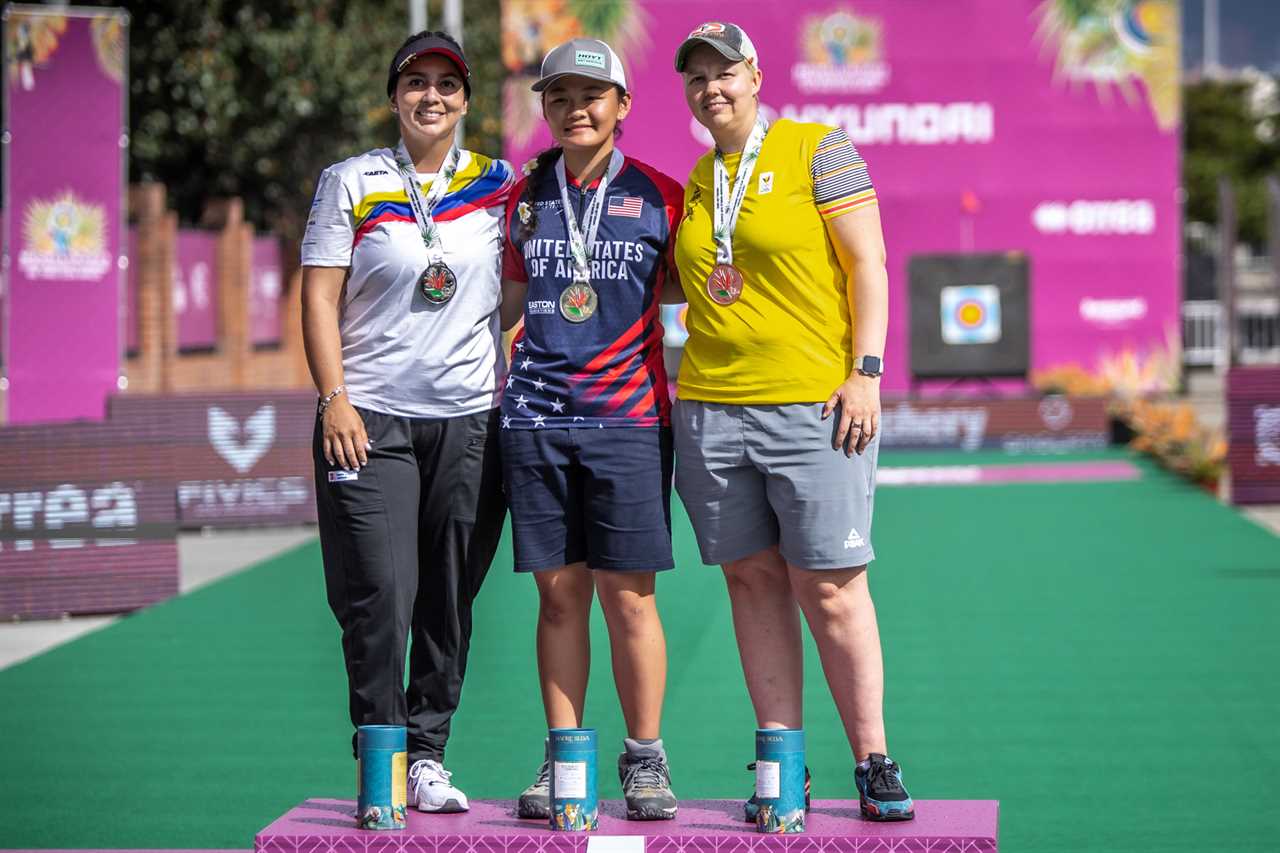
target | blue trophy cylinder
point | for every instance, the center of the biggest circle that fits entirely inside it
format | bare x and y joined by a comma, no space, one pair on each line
780,780
574,807
381,771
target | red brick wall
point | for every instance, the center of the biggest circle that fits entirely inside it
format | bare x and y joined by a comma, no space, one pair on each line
234,365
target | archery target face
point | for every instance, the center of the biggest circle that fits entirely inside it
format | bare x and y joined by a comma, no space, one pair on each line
970,314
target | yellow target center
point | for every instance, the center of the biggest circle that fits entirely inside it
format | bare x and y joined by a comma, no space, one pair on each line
970,314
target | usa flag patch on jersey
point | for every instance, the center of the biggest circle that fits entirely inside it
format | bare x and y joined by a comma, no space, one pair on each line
625,205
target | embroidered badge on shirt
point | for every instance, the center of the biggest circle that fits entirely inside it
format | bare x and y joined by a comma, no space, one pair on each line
625,205
766,183
343,476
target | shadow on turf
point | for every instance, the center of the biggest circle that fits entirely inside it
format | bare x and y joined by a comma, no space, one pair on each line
1249,574
845,813
326,821
330,807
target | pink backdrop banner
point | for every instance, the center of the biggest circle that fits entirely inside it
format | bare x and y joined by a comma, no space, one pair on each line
265,286
987,125
195,290
64,173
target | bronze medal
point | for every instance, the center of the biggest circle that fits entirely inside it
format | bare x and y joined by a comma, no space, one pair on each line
578,302
438,283
724,285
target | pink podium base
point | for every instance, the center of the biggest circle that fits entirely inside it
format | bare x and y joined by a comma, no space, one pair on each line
704,826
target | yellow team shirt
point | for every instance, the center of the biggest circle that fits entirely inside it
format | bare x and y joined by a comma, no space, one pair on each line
788,338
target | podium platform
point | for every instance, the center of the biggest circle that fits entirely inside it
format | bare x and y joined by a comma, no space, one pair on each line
703,826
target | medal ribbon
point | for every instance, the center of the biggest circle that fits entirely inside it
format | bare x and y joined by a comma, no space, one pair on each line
728,205
580,240
421,206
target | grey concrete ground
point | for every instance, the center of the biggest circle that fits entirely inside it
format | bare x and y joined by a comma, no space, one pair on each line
1206,394
205,557
202,559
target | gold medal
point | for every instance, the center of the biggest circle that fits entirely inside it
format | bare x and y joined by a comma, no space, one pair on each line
724,285
578,302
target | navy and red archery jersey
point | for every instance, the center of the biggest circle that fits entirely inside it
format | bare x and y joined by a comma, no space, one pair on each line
606,371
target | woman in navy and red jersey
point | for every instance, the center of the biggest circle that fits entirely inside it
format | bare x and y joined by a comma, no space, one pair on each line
586,436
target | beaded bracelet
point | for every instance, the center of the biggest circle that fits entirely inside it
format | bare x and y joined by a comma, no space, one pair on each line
328,398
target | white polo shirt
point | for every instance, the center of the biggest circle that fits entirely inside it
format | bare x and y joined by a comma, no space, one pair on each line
402,355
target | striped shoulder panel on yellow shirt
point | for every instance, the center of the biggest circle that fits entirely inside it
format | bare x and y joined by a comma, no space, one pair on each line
840,181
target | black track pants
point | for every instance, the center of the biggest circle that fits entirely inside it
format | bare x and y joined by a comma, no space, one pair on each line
407,542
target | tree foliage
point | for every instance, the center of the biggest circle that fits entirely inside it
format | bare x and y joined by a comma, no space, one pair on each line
255,99
1231,132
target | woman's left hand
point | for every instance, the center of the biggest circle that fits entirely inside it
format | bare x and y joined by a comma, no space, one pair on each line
858,400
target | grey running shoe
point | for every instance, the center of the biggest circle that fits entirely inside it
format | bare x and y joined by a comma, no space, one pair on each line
535,800
646,782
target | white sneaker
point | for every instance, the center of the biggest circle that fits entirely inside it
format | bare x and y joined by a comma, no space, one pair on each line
431,791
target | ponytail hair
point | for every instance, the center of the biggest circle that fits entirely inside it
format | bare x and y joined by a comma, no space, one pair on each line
537,172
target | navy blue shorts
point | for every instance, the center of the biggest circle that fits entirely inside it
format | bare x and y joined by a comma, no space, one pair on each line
599,496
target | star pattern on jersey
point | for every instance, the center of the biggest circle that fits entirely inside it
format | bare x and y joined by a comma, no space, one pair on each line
520,345
532,403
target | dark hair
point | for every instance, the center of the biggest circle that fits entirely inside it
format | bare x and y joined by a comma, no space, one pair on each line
443,36
545,160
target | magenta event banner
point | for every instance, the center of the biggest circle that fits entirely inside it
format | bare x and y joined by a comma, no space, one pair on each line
87,520
195,290
1049,127
238,458
64,179
265,285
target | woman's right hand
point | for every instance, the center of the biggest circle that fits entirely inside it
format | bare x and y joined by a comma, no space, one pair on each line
345,441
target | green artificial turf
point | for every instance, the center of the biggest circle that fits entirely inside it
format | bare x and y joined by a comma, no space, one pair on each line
1101,658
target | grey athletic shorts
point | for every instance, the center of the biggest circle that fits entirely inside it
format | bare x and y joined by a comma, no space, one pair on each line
755,476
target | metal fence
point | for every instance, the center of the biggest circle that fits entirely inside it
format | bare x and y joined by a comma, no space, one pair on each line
1257,332
1202,323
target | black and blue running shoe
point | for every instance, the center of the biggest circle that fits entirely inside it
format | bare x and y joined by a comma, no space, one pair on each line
880,791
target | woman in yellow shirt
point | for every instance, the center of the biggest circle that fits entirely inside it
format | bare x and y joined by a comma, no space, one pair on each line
782,261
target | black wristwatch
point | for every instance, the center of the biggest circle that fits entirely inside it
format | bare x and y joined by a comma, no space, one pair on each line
868,365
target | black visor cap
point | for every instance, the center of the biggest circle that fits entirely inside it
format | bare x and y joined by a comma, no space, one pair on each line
422,47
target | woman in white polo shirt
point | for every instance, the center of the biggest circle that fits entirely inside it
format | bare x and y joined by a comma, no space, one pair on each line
400,319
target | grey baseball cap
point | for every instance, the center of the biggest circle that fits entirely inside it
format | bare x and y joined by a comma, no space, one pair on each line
728,39
584,58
